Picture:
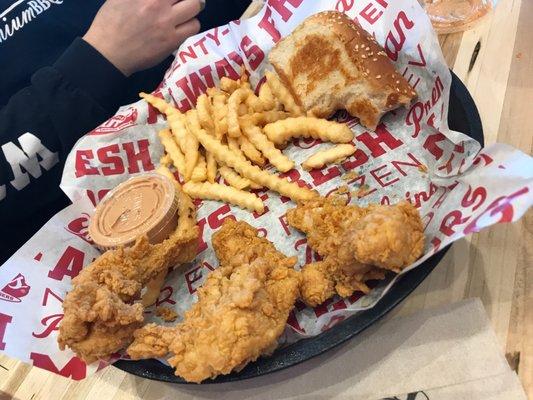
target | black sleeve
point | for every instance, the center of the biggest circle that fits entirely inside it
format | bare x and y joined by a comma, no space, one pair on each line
41,123
220,12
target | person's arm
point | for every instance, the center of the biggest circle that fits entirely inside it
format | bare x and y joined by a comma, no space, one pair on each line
220,12
40,124
83,87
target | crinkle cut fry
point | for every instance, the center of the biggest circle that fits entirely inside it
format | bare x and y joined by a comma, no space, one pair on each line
172,149
220,110
228,157
199,173
253,102
228,194
190,142
165,160
335,154
158,103
274,155
236,98
233,178
211,167
263,118
283,94
282,131
229,85
177,122
163,170
251,152
205,113
233,145
267,97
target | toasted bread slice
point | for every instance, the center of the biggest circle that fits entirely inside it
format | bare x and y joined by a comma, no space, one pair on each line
330,63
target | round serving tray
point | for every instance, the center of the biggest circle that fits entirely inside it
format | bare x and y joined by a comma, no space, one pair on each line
462,116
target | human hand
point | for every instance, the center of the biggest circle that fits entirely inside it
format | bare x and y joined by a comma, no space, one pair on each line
138,34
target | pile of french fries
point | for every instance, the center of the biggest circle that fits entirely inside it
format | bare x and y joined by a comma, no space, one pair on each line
232,134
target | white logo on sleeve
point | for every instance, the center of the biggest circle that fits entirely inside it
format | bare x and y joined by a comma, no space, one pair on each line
26,160
20,13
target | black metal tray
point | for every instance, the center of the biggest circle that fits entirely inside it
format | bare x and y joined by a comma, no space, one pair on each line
464,117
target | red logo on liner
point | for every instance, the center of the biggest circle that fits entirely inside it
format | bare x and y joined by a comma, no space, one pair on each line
116,123
15,289
80,227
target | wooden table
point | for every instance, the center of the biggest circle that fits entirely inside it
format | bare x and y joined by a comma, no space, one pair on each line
495,265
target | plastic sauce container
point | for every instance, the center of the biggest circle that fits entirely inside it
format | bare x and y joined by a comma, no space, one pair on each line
145,204
448,16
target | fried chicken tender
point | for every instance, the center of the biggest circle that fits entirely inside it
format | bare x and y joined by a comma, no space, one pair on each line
358,244
99,314
97,322
152,341
241,311
324,221
390,237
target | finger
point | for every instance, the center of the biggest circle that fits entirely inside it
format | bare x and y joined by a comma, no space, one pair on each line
185,10
189,28
202,3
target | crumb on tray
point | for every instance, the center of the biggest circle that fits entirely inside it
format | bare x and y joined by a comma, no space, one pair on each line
362,191
343,189
350,176
423,168
166,314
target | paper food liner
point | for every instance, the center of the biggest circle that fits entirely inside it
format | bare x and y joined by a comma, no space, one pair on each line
458,187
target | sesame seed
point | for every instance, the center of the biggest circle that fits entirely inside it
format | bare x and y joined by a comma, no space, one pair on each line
397,89
397,82
374,59
367,48
378,76
363,56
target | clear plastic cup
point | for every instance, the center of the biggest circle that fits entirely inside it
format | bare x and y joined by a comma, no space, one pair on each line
448,16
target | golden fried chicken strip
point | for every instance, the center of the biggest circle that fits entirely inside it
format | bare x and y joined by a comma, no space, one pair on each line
358,244
99,318
322,279
241,311
317,283
117,321
152,341
390,237
324,221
